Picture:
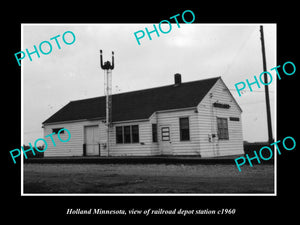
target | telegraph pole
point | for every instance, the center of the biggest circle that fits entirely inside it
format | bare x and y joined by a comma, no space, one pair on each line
270,134
108,67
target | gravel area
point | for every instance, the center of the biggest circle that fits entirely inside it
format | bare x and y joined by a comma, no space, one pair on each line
148,178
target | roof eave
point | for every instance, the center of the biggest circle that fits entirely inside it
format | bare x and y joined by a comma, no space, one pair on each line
72,121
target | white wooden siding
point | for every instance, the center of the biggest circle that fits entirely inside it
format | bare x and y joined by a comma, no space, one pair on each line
74,147
207,118
202,124
145,146
191,147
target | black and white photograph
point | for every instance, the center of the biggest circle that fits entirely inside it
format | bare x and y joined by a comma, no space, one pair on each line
117,111
160,117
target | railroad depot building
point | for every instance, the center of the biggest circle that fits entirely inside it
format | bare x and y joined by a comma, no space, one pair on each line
199,118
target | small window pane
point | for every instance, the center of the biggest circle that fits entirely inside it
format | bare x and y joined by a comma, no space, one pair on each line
165,129
184,129
154,132
55,130
119,135
127,136
184,123
222,128
166,138
165,134
135,133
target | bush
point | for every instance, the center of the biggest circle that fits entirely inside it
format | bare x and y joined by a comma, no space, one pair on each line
256,146
249,147
29,154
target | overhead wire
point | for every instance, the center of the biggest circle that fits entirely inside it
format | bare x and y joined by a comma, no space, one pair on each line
240,49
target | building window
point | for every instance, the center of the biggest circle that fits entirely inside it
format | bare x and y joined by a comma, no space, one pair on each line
184,129
119,135
154,132
127,138
55,130
127,134
165,134
222,128
135,133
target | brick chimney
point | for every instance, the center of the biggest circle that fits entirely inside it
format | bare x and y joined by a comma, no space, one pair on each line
177,79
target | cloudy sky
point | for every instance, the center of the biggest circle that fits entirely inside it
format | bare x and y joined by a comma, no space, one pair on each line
197,51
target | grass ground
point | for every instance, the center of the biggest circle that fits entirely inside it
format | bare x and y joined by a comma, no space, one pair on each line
147,178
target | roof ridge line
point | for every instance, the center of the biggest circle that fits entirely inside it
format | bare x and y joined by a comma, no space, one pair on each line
146,89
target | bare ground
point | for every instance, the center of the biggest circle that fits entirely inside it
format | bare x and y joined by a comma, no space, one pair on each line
147,178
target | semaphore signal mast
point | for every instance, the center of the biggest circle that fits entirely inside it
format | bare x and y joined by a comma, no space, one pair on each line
108,67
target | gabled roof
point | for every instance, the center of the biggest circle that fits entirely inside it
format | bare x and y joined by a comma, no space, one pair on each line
137,104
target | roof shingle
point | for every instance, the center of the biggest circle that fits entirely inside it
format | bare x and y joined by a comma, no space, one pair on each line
137,104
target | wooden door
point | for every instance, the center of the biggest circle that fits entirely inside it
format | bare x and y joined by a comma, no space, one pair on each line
92,139
165,141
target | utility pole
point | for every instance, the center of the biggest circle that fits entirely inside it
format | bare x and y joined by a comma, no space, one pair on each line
270,134
108,67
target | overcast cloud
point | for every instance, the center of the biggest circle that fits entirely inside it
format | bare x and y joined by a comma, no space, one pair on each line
197,51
